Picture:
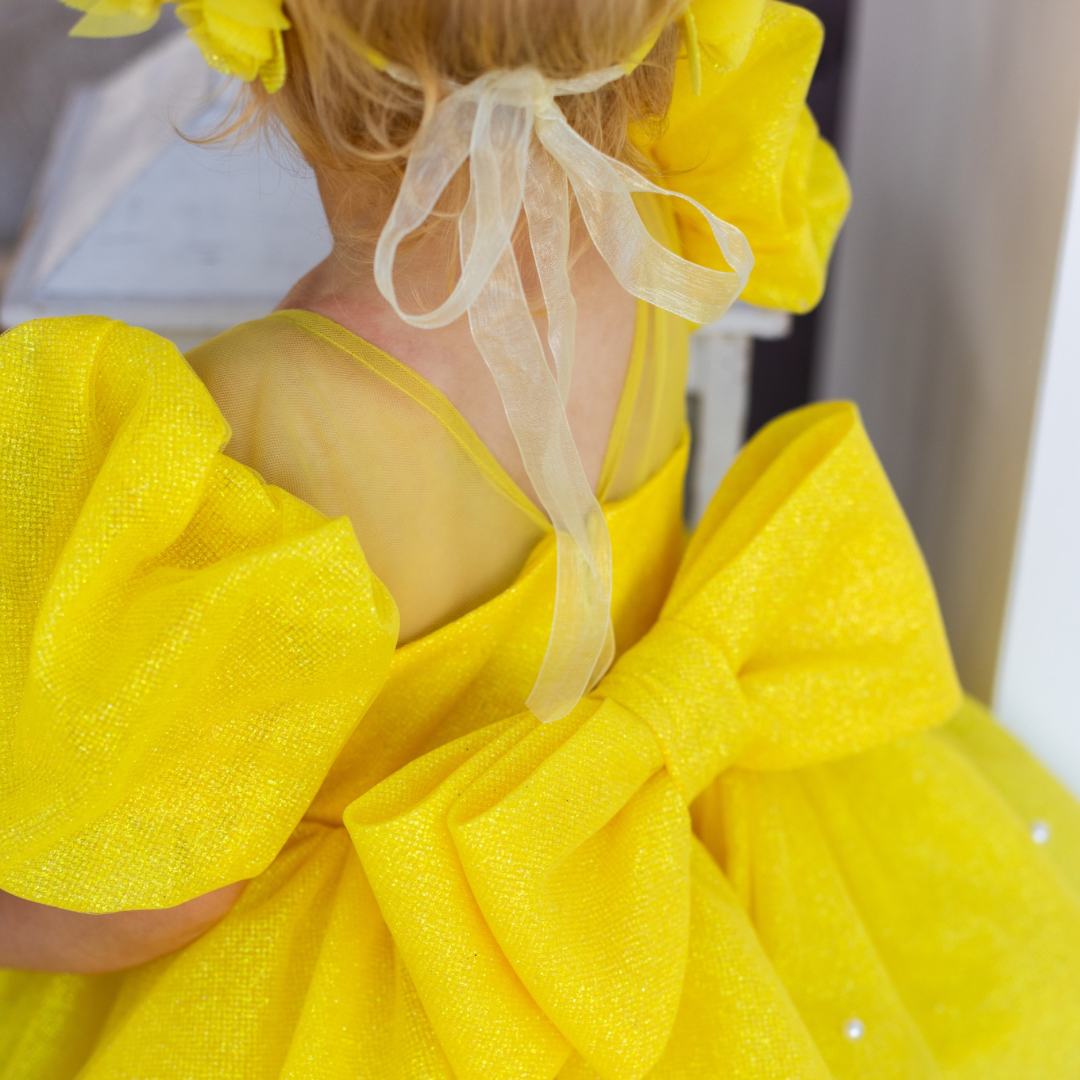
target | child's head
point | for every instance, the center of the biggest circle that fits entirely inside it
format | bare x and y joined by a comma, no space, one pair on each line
349,118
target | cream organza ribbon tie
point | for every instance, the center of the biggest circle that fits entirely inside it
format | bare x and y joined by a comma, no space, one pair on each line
490,123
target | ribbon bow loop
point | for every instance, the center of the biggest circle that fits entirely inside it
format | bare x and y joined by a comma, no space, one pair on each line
802,625
535,879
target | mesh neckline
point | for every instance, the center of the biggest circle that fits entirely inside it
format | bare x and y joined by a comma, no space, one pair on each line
429,397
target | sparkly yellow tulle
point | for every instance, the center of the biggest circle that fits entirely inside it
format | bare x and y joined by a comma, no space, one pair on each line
159,601
773,817
748,148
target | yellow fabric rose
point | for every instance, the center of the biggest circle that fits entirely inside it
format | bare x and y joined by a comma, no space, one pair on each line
114,18
237,37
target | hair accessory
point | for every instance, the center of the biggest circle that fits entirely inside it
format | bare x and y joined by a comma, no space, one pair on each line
237,37
491,123
689,34
688,30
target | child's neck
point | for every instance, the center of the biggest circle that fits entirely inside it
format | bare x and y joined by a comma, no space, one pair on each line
343,289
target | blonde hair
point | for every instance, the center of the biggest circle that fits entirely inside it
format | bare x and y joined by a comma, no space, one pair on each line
348,117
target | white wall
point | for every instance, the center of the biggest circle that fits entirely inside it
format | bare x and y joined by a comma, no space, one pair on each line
1038,683
39,64
959,140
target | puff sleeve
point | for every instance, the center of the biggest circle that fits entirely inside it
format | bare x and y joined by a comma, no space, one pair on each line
748,149
183,648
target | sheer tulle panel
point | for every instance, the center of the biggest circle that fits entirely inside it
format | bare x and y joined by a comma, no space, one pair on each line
352,431
652,413
328,426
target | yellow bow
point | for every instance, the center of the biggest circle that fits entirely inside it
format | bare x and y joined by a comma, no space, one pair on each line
540,880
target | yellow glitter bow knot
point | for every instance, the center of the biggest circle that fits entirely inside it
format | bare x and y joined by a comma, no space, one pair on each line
237,37
540,880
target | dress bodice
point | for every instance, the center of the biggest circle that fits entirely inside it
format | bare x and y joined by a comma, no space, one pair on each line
352,431
754,829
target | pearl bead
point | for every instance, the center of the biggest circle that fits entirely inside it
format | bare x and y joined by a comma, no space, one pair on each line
854,1029
1040,832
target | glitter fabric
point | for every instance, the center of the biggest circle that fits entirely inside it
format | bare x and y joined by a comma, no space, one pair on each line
748,148
773,844
754,830
179,640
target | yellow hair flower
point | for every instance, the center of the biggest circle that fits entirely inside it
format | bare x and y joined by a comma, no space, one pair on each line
114,18
237,37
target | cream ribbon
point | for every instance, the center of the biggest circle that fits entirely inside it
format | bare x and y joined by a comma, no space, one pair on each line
490,123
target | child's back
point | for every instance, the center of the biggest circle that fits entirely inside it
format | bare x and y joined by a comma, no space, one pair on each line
403,430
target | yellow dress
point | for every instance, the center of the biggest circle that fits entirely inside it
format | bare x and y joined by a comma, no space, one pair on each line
774,843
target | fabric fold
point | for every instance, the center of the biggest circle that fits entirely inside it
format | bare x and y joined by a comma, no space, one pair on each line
160,600
748,148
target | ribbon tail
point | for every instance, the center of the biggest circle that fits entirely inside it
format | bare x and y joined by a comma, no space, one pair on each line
547,208
510,344
604,190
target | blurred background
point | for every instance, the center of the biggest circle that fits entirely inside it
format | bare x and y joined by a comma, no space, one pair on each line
39,65
952,315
